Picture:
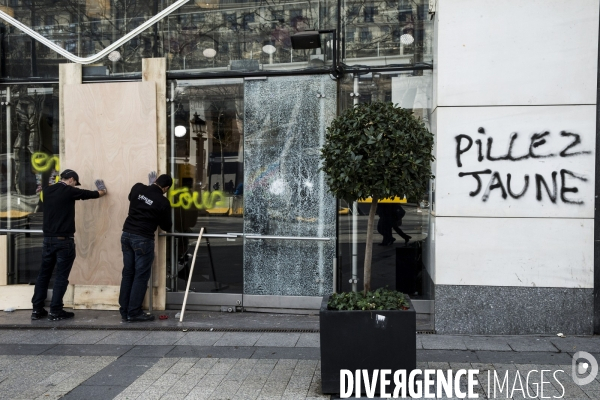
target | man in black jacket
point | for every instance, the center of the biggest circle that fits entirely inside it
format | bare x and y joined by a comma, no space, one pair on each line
148,209
59,243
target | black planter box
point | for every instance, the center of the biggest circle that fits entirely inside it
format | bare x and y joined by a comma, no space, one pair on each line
357,340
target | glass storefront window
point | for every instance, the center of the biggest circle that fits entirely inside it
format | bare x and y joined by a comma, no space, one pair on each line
411,90
213,36
248,36
386,33
245,158
30,161
206,161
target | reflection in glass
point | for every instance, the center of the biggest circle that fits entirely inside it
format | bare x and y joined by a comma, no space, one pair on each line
208,170
216,35
29,162
411,90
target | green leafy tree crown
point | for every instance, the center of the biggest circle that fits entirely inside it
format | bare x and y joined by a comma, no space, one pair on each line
378,150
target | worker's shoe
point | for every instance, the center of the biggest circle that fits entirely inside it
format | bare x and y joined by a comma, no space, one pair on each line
143,317
38,314
62,314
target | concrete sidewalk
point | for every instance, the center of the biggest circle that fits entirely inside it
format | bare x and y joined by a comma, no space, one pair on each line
47,363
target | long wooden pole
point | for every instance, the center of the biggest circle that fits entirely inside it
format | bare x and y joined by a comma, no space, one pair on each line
187,289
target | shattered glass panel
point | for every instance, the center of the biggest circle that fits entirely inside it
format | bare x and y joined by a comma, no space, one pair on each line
285,193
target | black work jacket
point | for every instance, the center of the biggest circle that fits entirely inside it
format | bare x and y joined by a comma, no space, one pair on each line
148,209
59,208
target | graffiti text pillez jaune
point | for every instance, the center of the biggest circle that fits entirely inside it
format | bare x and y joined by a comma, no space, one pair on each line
555,186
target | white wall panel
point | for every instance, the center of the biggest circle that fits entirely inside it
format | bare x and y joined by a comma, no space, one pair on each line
534,252
543,157
516,52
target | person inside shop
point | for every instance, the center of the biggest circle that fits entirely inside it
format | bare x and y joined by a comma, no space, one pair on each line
148,209
59,243
390,217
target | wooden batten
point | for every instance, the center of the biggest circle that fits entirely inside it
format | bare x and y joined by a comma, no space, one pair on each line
68,74
96,297
155,70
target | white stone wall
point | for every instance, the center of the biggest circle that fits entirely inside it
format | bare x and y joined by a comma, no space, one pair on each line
514,98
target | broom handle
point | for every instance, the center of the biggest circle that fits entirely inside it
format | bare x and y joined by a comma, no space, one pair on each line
187,289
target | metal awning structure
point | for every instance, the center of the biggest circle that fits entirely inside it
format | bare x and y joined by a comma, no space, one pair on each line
88,60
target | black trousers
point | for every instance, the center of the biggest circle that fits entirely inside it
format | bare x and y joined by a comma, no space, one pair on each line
59,253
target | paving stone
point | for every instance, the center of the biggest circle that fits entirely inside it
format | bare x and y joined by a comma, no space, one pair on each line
160,338
87,337
93,392
593,394
305,353
513,357
124,337
147,362
87,350
17,335
149,351
211,351
309,340
124,395
140,385
247,393
153,393
171,396
199,393
222,367
574,344
447,356
276,339
200,338
116,375
24,349
531,343
51,396
226,390
443,342
238,339
493,343
48,337
181,367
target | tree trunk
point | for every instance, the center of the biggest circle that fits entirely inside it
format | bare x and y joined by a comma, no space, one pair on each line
369,246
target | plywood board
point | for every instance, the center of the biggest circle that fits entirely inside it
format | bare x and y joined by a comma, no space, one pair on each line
16,296
96,297
110,133
3,261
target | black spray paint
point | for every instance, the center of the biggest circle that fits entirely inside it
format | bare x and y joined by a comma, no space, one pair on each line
544,188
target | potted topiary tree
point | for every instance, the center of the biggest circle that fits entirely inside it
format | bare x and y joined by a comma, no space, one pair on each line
373,150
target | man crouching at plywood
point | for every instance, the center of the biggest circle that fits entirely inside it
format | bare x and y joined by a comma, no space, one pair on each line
148,209
59,242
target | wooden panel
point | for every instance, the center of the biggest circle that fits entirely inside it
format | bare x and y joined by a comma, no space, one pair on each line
68,74
3,261
68,297
16,296
110,133
96,297
154,70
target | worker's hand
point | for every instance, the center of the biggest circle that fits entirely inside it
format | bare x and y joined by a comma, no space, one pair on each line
151,177
101,187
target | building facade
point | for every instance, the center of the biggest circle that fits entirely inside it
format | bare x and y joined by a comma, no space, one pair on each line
495,246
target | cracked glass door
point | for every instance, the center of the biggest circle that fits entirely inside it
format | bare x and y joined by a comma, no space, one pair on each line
289,215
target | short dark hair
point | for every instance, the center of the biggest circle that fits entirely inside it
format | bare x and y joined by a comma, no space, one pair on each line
164,181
